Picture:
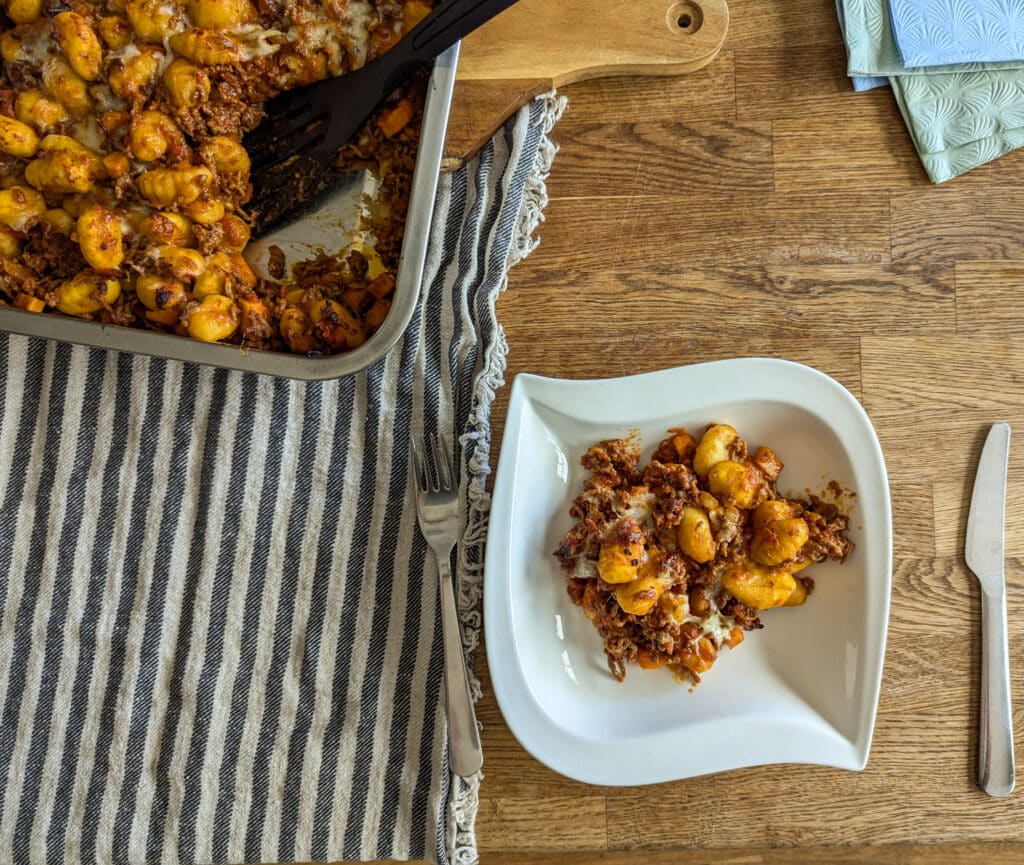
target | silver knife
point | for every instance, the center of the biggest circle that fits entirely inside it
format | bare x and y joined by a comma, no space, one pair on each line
984,553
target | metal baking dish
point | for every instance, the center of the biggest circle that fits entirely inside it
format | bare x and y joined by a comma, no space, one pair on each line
282,364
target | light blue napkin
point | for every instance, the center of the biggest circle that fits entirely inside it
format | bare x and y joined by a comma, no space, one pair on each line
938,32
872,49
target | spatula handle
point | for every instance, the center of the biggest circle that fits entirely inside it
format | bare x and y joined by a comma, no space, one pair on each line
446,24
451,21
995,736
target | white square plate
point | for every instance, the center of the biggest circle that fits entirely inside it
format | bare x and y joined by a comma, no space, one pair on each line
803,690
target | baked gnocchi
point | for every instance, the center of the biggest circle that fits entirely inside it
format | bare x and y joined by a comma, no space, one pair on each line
124,182
674,561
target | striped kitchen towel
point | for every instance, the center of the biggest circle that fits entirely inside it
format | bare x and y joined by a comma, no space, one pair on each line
219,626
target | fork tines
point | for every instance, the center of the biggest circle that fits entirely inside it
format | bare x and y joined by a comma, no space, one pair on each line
435,472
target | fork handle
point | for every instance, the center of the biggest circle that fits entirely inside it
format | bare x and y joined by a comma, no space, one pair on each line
463,736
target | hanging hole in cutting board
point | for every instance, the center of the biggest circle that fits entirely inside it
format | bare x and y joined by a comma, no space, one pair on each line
685,18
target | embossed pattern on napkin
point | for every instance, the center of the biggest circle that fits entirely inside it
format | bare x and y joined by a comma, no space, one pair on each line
938,32
860,82
872,48
948,111
944,164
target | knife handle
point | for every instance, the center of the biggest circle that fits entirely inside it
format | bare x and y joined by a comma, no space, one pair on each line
995,739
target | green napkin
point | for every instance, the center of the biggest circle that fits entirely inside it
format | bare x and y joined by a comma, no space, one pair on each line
872,49
947,111
964,124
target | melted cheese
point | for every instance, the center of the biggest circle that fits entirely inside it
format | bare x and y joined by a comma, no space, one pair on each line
639,508
714,625
126,52
36,47
87,132
257,42
584,569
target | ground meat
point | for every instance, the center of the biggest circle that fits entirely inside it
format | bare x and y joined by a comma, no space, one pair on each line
594,511
48,251
576,588
827,532
738,450
725,524
683,614
22,75
276,262
821,507
122,313
678,448
15,279
674,487
745,617
208,237
612,463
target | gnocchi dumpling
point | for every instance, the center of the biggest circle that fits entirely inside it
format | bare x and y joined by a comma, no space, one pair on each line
622,553
757,586
713,448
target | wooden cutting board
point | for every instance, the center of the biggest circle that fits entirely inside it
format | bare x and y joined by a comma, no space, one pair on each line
536,45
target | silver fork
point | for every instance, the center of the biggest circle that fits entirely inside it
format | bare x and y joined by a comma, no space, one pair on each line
437,504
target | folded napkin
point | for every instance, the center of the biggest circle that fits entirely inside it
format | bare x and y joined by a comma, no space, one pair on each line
938,32
958,122
860,83
946,111
959,116
872,49
220,638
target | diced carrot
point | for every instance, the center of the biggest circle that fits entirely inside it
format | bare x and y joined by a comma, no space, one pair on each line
649,660
393,121
353,298
29,302
735,638
383,285
378,312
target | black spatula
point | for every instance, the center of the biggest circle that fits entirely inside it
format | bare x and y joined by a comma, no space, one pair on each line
298,140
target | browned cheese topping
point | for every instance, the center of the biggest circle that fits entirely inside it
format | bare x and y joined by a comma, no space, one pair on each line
123,181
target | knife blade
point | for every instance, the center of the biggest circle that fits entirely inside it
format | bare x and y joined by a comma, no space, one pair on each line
984,552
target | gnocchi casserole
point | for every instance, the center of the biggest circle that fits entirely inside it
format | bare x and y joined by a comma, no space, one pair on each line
674,561
123,180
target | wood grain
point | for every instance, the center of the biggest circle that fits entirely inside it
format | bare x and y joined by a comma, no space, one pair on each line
852,141
958,224
524,51
529,39
761,208
668,158
708,94
790,83
757,24
840,254
987,298
959,854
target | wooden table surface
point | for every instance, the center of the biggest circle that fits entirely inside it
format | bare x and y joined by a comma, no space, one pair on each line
759,207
